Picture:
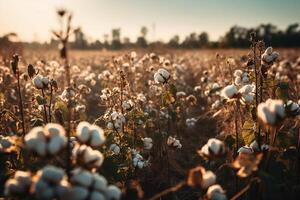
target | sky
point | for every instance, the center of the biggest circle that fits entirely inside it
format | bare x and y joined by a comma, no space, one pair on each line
33,20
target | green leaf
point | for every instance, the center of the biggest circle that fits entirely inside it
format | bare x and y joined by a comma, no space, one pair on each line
168,98
248,133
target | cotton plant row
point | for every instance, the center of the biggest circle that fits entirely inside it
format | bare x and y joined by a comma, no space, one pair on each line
51,183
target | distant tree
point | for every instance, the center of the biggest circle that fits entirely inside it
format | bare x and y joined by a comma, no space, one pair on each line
80,40
106,43
96,45
174,42
203,39
116,42
141,40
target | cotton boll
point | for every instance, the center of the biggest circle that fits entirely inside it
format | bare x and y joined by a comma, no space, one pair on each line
52,174
38,81
97,136
140,164
55,145
246,89
237,80
113,192
161,76
52,130
114,148
238,73
254,145
82,177
41,148
216,146
93,156
245,149
43,190
83,131
23,177
34,136
147,143
216,192
248,98
208,179
77,193
100,183
13,187
229,91
271,111
97,196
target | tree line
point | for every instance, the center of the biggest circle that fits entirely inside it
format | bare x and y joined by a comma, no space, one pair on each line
235,37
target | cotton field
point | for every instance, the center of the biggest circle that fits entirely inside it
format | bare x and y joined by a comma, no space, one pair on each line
151,123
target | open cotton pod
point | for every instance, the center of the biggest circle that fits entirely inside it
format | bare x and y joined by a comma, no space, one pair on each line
87,157
19,185
161,76
271,112
216,192
269,56
48,140
173,142
92,186
213,148
91,135
199,177
49,183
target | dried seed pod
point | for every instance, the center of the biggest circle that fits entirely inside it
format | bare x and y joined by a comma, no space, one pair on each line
31,71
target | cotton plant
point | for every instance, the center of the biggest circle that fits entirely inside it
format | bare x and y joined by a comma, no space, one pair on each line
48,140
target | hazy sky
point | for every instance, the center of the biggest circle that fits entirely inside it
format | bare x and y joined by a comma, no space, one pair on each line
33,19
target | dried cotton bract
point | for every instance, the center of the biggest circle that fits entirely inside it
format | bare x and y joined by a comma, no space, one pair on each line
89,134
46,140
161,76
271,112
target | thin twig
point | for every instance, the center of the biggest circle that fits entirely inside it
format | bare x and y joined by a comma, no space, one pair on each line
168,190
